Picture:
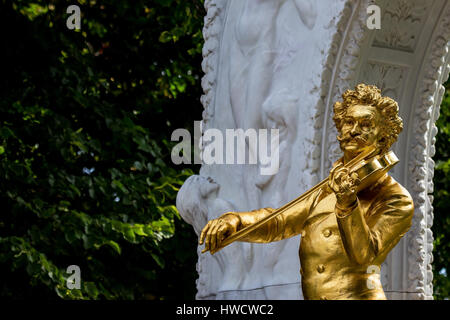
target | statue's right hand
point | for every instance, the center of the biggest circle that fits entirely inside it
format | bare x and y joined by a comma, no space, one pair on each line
217,230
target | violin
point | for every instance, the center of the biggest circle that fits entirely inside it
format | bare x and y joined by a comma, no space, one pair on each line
369,165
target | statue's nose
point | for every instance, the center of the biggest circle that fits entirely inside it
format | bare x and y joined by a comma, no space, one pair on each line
355,130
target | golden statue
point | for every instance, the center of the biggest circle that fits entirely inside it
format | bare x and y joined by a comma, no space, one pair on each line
351,220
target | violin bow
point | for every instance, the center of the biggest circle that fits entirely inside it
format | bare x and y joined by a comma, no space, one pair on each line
245,231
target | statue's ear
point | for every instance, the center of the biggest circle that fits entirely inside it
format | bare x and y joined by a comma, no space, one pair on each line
382,144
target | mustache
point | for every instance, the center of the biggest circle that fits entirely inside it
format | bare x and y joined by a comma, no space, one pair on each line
359,139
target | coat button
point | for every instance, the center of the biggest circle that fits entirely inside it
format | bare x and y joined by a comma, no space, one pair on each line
326,233
320,268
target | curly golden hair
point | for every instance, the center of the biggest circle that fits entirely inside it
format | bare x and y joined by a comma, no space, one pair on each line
388,108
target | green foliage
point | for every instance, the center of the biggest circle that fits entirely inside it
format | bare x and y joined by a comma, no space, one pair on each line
85,170
441,224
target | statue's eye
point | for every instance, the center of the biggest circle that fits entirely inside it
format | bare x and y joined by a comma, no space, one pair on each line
366,124
348,122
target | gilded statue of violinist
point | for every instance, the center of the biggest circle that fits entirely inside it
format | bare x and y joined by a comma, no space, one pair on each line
347,226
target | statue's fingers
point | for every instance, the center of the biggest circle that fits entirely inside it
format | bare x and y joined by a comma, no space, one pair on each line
356,179
345,186
214,230
219,235
345,171
339,176
336,181
353,181
334,170
348,179
337,166
203,234
222,233
332,184
209,235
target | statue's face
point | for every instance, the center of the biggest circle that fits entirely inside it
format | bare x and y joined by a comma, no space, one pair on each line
360,129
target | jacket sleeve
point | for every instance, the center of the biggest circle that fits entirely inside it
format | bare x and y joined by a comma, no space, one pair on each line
285,225
368,239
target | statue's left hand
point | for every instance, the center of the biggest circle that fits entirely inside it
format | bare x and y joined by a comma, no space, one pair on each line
344,184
